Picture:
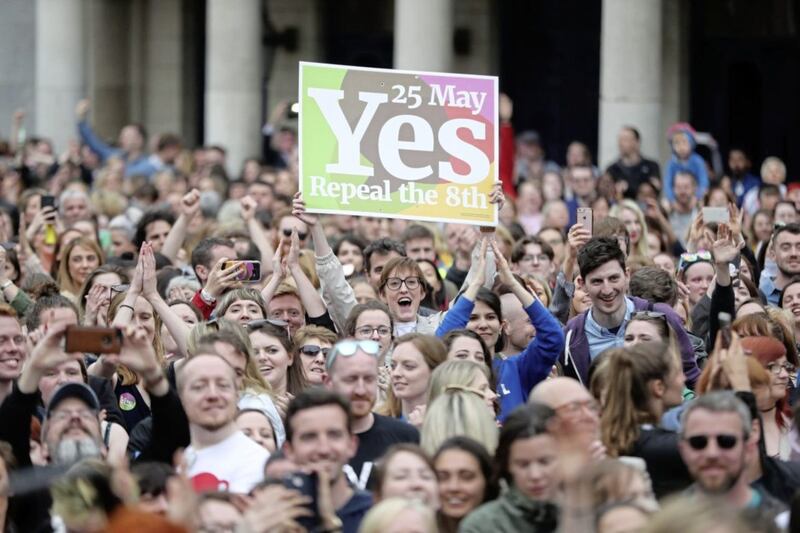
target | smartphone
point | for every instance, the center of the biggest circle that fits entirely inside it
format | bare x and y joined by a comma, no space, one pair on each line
48,201
93,340
250,272
293,110
305,484
585,218
725,329
716,214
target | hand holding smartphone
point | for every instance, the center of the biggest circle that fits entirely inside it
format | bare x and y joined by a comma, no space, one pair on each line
93,340
249,270
585,219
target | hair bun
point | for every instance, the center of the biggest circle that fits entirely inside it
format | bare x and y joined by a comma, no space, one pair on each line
44,289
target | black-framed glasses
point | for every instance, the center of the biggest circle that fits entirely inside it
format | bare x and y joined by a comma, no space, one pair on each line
411,283
300,235
367,331
312,350
348,348
724,441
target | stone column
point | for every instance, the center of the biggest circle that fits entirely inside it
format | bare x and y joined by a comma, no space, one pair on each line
233,111
163,72
630,75
107,68
60,68
423,35
675,69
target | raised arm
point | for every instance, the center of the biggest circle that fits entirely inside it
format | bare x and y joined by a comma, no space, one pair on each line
106,364
48,354
278,273
175,325
723,300
257,233
190,206
336,291
312,302
538,358
87,135
577,237
458,315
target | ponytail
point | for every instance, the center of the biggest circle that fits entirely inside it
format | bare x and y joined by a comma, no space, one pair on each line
628,393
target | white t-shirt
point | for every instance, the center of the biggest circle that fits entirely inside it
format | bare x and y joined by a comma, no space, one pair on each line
236,465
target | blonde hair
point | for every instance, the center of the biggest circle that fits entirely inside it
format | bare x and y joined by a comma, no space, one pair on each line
433,353
386,513
252,381
454,373
628,393
64,279
698,514
128,376
458,411
640,248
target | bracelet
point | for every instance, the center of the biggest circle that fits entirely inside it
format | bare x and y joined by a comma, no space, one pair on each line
206,297
128,306
6,285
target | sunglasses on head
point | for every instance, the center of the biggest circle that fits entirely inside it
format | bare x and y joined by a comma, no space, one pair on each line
649,314
700,442
260,323
300,235
688,259
348,348
119,288
312,350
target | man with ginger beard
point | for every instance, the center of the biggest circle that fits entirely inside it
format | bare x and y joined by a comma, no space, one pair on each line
352,371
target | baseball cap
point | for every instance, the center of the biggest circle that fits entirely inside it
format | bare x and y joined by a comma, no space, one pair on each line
80,391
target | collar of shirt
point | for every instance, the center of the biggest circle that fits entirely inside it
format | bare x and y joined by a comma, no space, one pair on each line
601,338
769,289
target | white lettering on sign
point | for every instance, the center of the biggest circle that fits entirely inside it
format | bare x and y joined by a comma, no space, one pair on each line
390,145
448,96
349,140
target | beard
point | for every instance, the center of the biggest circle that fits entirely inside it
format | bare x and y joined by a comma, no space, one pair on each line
724,485
71,451
357,409
786,272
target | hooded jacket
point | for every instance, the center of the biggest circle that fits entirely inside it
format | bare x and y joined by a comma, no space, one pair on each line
694,164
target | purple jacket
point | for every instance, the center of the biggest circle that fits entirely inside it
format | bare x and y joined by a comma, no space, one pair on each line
575,358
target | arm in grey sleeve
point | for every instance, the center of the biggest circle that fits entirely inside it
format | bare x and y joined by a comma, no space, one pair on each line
336,292
562,297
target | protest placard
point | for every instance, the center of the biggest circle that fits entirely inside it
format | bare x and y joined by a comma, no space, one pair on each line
398,144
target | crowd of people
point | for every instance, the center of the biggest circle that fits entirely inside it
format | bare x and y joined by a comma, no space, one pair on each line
274,370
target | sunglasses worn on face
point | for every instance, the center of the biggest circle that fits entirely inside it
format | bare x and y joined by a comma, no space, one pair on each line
300,235
349,348
724,442
312,350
